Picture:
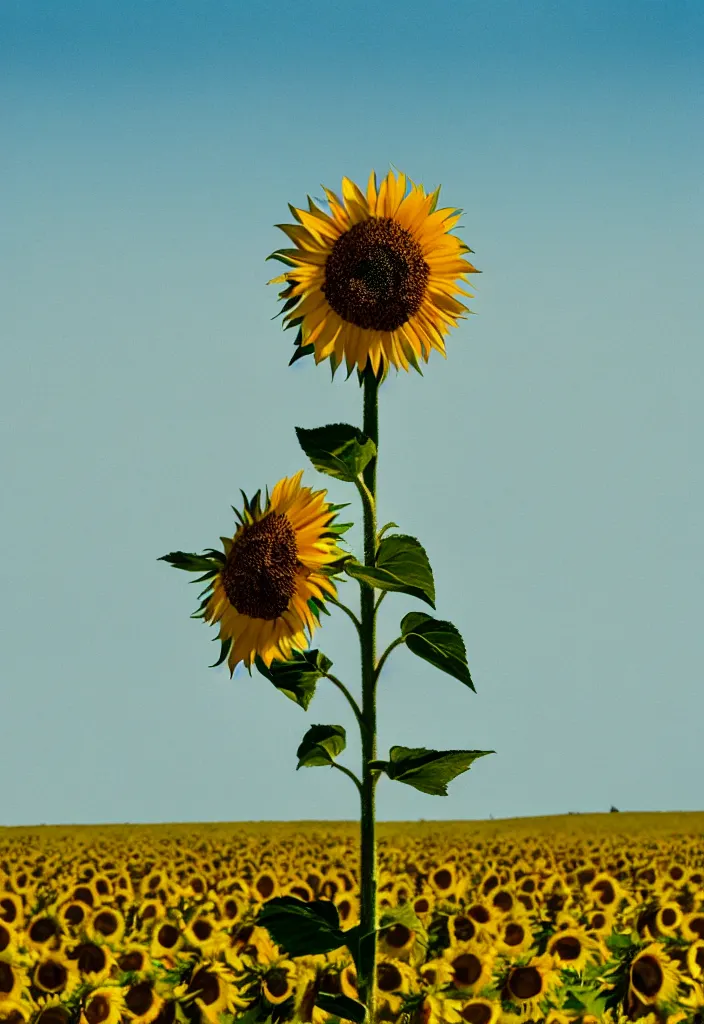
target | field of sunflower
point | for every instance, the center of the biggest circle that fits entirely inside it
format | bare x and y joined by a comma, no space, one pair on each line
577,918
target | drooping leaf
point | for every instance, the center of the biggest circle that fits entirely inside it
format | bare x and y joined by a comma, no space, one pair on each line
297,677
302,928
338,449
341,1006
401,565
438,642
321,745
429,770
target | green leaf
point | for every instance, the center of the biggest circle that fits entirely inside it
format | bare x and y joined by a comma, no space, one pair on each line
382,531
429,770
341,1006
320,745
437,642
194,563
358,944
301,351
302,928
297,677
224,650
406,915
338,449
281,256
401,565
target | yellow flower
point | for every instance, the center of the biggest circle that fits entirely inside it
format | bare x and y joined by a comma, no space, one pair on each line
104,1005
654,978
574,947
272,581
528,984
373,281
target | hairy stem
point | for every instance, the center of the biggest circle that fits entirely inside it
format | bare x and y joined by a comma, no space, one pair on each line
368,866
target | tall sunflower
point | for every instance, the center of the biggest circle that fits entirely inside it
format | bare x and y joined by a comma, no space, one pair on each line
374,280
271,583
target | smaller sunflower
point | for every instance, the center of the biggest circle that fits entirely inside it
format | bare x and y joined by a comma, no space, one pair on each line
272,582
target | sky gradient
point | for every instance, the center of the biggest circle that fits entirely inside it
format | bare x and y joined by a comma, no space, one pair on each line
551,465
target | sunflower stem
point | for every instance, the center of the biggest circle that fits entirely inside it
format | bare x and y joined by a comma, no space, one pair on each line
368,866
353,703
380,598
348,611
387,652
352,775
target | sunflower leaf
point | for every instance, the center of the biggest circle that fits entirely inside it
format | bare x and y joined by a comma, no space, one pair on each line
190,562
429,770
358,943
382,531
437,642
281,256
224,650
297,678
302,928
341,1006
406,915
301,351
401,565
321,745
338,449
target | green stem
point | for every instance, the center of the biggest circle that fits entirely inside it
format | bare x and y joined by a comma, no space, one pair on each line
348,611
387,652
352,702
368,910
352,775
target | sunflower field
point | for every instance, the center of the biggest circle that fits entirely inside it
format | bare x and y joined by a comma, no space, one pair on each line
578,918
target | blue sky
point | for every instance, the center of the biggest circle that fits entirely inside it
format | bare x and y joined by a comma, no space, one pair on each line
551,466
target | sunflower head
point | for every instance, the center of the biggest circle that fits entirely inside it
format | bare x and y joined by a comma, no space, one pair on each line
373,282
271,583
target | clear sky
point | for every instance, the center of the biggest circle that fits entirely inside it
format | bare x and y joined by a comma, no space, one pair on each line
551,465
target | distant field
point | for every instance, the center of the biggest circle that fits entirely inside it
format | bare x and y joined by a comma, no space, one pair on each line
572,917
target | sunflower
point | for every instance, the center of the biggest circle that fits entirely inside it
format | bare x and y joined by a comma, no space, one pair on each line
575,948
143,1003
374,280
56,974
13,979
472,964
104,1005
204,935
529,984
19,1010
108,925
215,990
271,583
514,936
654,978
480,1010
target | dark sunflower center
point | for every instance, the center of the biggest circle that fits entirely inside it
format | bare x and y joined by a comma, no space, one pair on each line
259,576
647,976
375,275
525,982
